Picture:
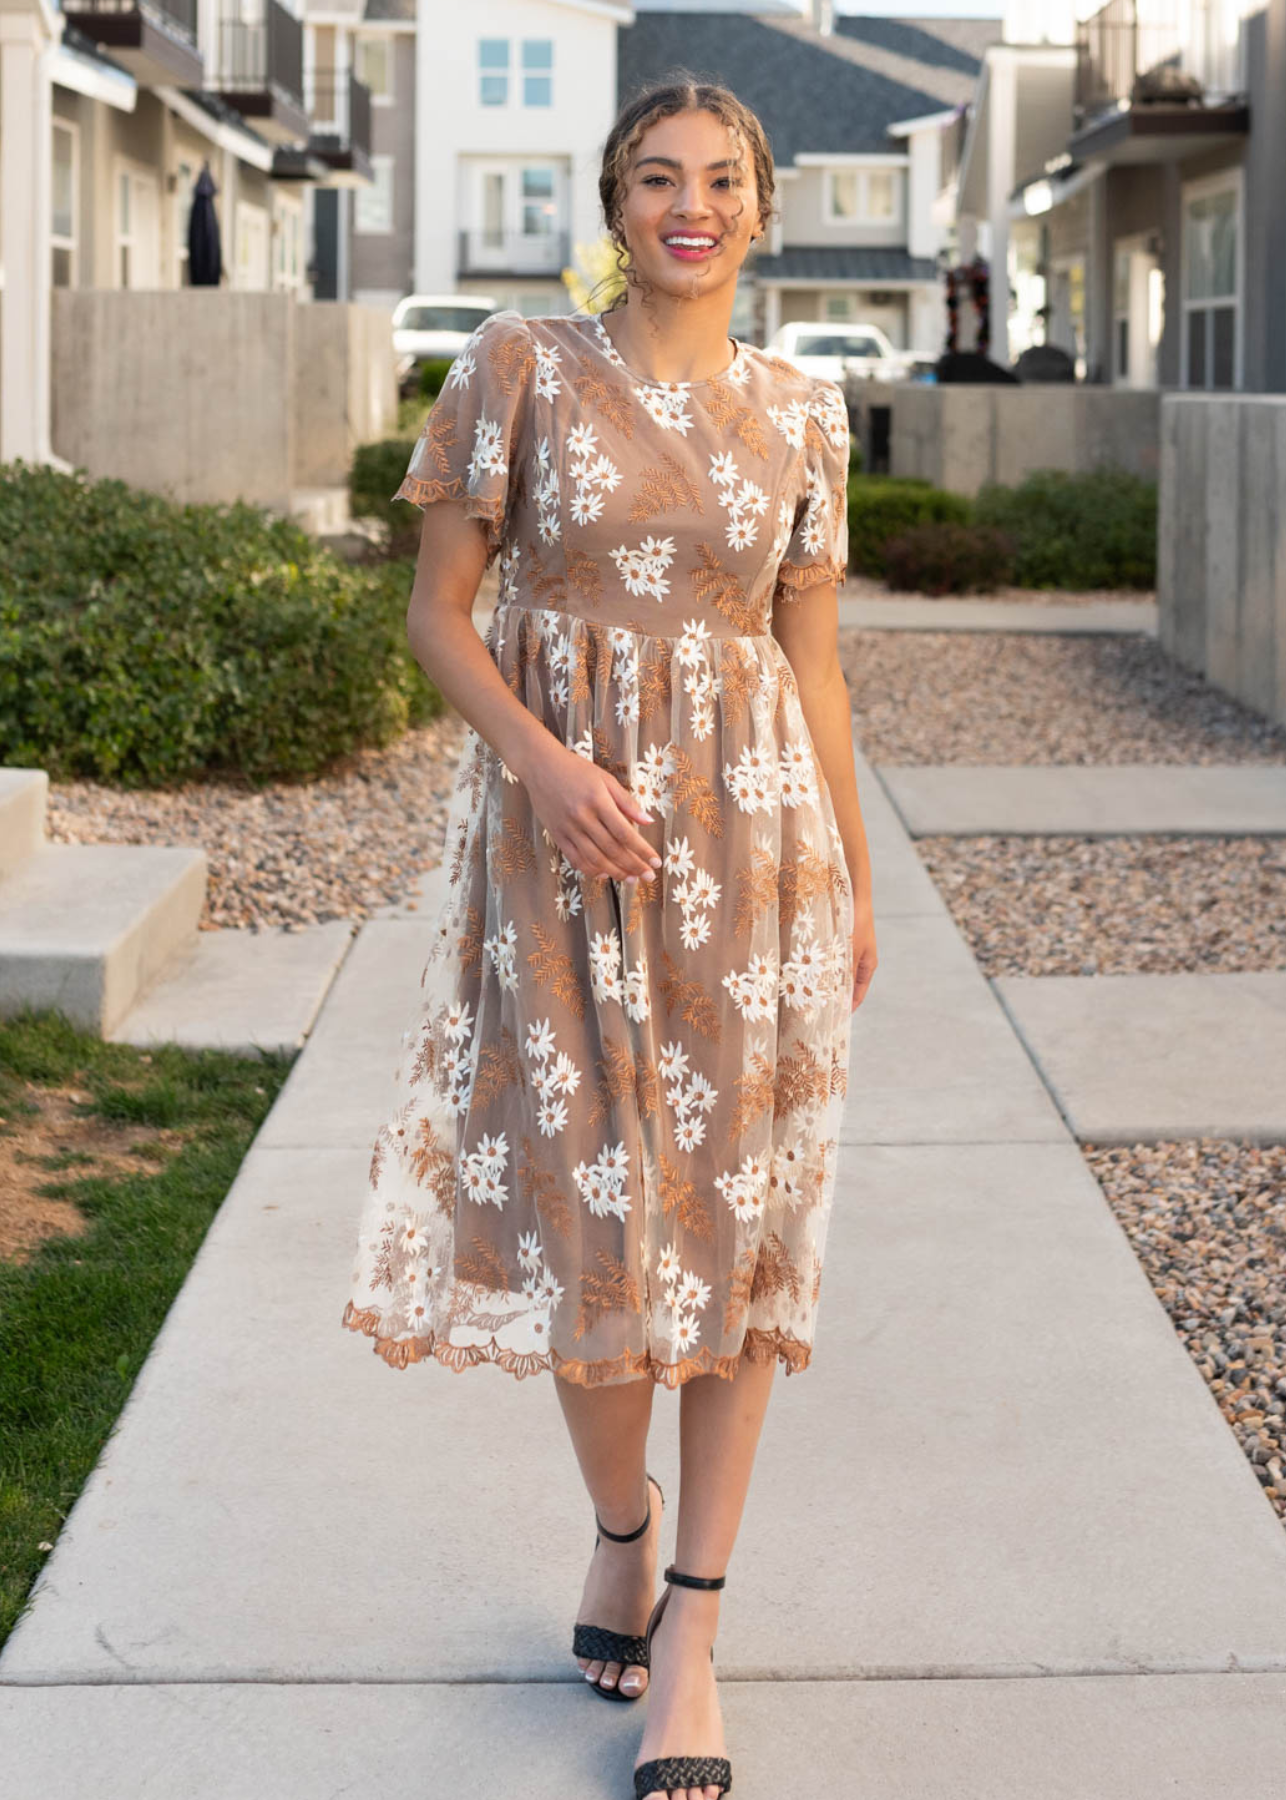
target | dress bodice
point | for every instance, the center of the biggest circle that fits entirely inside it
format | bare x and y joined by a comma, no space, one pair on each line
659,507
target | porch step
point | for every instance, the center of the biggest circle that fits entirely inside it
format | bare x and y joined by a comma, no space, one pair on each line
246,991
22,815
85,927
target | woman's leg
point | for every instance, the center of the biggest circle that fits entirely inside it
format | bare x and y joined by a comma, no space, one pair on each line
719,1424
608,1427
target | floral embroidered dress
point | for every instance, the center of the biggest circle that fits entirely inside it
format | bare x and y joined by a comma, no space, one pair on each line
611,1144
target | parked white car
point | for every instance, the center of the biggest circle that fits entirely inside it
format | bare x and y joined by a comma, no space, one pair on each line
833,351
427,326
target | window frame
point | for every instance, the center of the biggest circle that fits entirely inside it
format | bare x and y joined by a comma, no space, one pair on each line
58,240
1225,180
386,162
495,72
362,42
860,174
536,72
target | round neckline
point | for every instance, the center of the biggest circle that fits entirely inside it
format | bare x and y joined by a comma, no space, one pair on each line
614,356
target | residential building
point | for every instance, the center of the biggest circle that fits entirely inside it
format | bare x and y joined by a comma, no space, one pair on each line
514,101
110,109
860,112
1129,180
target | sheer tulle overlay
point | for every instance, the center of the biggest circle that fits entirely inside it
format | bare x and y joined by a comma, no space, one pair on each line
611,1143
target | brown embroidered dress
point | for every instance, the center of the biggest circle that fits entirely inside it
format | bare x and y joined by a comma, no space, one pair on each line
611,1147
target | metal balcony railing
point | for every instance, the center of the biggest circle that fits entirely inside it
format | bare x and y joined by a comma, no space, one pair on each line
261,55
339,106
483,252
1129,39
177,18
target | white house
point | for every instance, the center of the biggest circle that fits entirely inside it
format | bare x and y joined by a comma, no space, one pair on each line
513,101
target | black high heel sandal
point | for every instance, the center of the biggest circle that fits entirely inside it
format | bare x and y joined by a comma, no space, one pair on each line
666,1772
596,1641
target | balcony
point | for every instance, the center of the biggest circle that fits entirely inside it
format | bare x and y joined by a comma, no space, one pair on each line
260,71
154,39
1158,79
340,132
489,253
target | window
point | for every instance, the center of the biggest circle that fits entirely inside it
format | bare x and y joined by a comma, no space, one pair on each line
287,230
1211,283
62,222
862,196
493,71
539,207
537,72
373,65
373,210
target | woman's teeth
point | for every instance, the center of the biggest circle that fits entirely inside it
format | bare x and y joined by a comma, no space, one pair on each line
689,246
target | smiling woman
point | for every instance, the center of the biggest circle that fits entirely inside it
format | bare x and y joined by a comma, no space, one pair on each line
614,1147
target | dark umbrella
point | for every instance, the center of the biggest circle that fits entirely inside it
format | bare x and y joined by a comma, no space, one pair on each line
205,261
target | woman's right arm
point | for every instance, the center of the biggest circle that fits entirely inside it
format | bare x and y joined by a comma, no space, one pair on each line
587,812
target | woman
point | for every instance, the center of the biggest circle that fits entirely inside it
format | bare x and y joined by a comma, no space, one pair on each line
614,1150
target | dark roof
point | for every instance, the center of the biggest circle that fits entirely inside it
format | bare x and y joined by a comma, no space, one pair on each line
949,43
390,9
813,93
838,262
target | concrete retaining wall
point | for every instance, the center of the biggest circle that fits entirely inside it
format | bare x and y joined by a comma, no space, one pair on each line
1221,568
208,394
345,388
958,437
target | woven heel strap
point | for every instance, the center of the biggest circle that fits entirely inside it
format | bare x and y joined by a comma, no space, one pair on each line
694,1581
628,1537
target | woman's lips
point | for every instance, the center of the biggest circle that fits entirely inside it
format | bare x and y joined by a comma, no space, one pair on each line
690,252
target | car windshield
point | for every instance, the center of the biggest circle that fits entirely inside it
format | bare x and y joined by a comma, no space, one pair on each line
835,343
443,318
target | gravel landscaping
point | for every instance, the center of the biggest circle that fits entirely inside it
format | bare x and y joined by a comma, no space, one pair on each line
1002,697
1115,906
1207,1219
290,853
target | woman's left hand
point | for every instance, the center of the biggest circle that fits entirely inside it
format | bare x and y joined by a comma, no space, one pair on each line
864,957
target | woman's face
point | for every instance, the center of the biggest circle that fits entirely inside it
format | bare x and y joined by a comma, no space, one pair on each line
688,210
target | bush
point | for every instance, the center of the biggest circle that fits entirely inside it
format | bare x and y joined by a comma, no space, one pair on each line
1077,531
881,507
433,372
376,474
145,643
948,559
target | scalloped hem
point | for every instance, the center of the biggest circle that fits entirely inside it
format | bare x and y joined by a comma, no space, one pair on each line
489,513
792,578
758,1346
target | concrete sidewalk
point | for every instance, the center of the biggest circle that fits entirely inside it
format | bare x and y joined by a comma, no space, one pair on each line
1087,800
1077,618
1033,1560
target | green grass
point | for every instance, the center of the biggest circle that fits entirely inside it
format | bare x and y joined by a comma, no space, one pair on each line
78,1317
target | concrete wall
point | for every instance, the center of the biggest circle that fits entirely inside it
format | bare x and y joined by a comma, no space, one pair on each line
205,394
958,437
345,388
1221,574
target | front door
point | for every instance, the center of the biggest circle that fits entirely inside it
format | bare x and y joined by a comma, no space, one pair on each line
1138,314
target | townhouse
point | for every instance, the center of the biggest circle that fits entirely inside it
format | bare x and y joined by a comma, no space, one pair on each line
1124,165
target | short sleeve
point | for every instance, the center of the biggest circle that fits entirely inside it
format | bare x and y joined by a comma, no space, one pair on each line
817,548
469,448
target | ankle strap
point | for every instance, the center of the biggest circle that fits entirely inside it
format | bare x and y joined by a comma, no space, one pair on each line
627,1537
694,1581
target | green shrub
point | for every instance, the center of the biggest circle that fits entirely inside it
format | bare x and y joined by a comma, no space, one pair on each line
145,643
433,372
881,507
1077,531
948,559
375,476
